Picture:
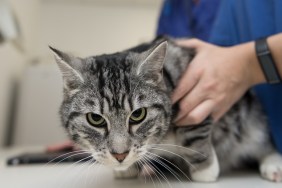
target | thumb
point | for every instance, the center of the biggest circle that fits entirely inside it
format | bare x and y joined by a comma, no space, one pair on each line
190,43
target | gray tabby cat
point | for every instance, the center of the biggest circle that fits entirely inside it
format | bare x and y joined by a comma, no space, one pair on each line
118,108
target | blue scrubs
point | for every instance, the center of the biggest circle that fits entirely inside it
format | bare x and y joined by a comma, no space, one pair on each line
234,22
241,21
183,18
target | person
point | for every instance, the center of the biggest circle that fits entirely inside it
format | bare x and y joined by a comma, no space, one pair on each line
226,67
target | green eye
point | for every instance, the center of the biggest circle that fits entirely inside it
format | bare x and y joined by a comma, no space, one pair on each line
138,116
95,120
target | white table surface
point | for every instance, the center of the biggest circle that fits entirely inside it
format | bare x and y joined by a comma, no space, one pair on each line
83,176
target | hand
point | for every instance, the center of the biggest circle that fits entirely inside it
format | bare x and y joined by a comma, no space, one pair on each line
215,79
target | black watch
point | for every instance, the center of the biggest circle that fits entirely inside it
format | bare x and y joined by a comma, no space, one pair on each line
266,61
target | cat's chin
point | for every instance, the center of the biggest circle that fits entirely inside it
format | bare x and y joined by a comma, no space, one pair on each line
121,167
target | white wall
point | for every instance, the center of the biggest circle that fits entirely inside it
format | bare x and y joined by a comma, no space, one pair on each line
96,27
12,60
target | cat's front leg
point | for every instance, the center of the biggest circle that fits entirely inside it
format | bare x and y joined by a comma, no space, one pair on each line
199,154
131,172
206,171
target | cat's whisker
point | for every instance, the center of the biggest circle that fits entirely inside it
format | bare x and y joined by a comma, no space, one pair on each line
81,153
61,156
157,170
175,174
145,165
92,162
161,149
72,166
175,166
60,173
165,166
78,175
181,147
139,166
97,165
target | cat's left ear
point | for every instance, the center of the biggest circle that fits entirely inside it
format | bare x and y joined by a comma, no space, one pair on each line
151,69
69,67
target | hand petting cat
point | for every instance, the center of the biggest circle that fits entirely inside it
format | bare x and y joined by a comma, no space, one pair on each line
215,79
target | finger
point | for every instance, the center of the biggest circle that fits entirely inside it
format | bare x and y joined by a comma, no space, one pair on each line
197,115
190,43
187,82
190,101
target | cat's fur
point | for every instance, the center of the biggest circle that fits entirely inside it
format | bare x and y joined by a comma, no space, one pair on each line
117,84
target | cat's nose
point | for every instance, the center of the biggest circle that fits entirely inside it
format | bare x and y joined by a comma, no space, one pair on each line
120,156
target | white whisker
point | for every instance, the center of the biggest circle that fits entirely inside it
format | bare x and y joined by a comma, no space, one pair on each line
158,170
80,151
180,147
171,164
72,166
144,167
175,155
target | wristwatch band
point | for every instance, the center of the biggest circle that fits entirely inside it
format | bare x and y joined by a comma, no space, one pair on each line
266,61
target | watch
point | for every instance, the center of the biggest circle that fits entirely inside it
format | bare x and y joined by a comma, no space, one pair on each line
266,61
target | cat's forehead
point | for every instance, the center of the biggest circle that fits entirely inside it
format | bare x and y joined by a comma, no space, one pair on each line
111,60
108,101
111,85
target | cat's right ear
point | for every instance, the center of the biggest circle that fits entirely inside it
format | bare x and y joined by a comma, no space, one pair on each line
72,79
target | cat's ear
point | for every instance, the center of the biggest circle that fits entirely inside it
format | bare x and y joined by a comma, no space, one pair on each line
151,69
72,79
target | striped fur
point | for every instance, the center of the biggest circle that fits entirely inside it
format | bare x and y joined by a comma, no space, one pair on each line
115,85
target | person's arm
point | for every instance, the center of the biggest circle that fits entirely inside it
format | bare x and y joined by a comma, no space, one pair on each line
218,76
275,45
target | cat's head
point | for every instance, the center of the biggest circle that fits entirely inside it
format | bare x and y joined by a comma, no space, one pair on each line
115,105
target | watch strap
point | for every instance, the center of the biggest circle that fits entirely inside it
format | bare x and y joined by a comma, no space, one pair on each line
266,61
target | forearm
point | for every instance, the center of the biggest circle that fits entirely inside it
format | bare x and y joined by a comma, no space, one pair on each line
248,51
275,46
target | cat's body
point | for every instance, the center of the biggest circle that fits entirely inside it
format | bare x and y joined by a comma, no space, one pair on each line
115,87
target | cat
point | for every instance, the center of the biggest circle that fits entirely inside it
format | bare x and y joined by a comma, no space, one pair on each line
118,107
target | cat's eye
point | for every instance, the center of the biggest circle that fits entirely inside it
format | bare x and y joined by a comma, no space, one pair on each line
138,116
95,120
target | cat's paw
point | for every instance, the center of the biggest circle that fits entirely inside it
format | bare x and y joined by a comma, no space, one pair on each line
208,174
271,168
129,173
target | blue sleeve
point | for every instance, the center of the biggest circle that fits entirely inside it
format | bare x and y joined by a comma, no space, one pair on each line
224,29
239,21
185,18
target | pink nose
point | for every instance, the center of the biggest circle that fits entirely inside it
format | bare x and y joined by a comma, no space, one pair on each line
120,156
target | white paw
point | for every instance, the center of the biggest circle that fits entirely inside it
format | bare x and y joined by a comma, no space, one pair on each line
126,174
271,168
209,174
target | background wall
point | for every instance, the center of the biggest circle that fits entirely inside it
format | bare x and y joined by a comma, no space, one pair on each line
99,26
82,27
13,60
